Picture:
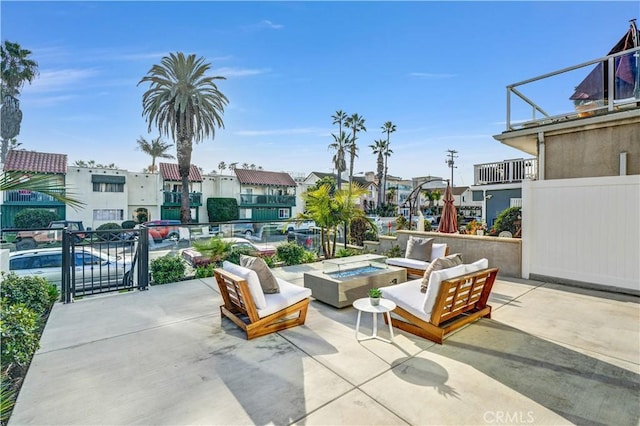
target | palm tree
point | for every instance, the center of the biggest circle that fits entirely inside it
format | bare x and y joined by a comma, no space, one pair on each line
221,166
16,68
330,211
155,149
356,124
233,166
387,128
186,104
245,165
391,193
339,118
339,163
379,147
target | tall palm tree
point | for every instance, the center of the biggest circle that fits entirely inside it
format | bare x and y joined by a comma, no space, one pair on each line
387,128
245,165
339,118
186,104
155,149
221,166
339,162
356,124
379,147
233,166
16,69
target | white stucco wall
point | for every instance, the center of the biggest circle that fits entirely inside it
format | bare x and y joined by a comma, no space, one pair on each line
583,230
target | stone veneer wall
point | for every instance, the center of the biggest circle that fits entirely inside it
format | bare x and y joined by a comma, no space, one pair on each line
502,253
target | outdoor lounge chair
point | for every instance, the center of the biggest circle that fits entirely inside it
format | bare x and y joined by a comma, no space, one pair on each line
415,268
277,311
454,297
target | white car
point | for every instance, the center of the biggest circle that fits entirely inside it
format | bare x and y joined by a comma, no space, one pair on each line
93,268
261,249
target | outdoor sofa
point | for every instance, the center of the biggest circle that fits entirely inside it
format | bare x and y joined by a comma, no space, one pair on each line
454,297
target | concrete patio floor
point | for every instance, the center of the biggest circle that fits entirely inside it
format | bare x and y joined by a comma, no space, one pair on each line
549,355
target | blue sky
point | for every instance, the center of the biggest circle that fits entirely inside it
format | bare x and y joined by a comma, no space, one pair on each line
438,70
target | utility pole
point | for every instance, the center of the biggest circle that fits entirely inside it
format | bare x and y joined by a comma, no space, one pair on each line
450,162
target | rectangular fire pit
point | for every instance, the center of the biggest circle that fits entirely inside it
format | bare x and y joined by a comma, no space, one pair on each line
344,280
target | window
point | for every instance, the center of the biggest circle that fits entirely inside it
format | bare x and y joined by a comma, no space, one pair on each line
108,187
283,213
108,214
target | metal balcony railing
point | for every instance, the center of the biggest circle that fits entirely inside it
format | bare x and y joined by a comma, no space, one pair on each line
612,85
23,196
506,171
172,198
262,199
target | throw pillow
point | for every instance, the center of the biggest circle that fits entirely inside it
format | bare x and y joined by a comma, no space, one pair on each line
268,282
438,264
252,281
419,248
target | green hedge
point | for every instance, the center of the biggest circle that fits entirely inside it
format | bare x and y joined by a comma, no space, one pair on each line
222,209
34,218
167,269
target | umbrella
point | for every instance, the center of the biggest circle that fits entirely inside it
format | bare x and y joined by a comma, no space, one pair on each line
449,220
594,86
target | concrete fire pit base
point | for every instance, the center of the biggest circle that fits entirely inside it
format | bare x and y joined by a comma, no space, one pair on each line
342,292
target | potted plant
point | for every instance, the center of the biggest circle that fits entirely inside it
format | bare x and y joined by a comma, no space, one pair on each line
374,296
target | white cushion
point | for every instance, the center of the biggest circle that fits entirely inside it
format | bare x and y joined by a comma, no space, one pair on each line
477,266
403,262
407,295
435,280
252,280
438,250
289,294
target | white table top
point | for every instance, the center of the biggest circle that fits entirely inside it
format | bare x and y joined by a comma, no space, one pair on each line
365,305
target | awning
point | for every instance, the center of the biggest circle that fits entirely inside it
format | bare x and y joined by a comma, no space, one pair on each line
107,179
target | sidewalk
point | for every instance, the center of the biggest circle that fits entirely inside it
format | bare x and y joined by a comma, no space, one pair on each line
549,355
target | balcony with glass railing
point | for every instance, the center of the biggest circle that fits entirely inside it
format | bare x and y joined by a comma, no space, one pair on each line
174,199
263,200
25,197
507,171
598,87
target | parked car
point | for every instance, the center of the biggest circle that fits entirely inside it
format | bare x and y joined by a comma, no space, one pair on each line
245,229
163,229
93,268
27,240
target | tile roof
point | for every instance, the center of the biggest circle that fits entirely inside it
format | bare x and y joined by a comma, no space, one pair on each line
169,171
260,177
32,161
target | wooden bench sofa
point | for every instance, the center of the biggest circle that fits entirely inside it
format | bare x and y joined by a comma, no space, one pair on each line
278,311
455,297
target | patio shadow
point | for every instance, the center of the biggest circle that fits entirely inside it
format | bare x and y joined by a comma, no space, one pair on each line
580,388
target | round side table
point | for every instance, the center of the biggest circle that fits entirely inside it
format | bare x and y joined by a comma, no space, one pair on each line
385,307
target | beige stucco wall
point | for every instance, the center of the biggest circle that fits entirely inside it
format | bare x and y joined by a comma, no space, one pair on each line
593,151
502,253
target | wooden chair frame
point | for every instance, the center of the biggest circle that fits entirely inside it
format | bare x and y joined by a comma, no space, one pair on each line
239,307
460,301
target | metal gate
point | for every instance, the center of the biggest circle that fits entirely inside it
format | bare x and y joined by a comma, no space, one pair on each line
95,262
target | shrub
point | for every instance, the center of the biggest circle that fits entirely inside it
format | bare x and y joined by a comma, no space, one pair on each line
167,269
205,271
309,257
233,255
34,218
108,236
395,251
142,215
290,253
346,252
270,261
214,247
506,221
128,224
35,293
222,209
7,397
402,222
20,338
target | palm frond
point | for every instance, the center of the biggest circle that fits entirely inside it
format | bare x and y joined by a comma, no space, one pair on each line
46,184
